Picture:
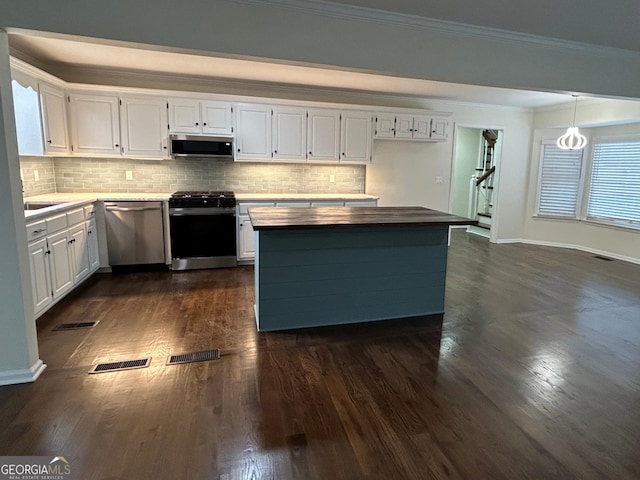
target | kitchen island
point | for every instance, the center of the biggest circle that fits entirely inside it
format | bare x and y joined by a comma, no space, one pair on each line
330,266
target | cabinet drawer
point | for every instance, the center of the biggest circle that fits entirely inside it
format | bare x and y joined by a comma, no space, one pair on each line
75,216
361,203
243,208
36,230
56,223
293,204
327,204
89,212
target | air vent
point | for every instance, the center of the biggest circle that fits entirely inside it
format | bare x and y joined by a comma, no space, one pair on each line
194,357
74,326
123,365
606,259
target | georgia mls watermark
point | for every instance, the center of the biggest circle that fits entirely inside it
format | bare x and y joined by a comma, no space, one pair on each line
35,468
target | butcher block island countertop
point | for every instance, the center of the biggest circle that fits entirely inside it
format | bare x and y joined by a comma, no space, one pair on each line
280,218
329,266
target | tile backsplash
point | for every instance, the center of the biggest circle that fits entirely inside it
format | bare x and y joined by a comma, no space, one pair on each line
67,175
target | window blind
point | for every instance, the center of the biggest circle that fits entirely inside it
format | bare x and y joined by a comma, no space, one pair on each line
559,182
614,193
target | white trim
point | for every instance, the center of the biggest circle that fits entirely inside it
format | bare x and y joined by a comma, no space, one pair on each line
349,12
35,72
13,377
581,248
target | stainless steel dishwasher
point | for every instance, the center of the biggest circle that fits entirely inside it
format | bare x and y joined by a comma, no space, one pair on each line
135,233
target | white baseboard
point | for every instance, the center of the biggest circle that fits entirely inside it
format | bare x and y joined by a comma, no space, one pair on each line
481,232
573,247
13,377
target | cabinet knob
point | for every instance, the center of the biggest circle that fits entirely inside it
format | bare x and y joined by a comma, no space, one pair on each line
117,145
275,151
238,150
310,153
197,123
204,123
48,141
48,252
165,147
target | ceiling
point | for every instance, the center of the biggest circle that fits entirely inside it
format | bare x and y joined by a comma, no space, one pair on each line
613,23
614,26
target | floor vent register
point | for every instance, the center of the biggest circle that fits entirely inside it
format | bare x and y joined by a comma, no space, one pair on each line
119,366
194,357
74,326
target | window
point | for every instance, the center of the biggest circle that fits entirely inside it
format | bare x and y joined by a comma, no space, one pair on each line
614,191
559,182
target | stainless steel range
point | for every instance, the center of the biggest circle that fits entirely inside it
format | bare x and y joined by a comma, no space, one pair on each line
203,229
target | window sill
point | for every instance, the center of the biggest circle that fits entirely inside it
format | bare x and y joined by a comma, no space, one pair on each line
616,226
555,218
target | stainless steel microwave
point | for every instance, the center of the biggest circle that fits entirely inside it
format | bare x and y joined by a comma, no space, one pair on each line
200,146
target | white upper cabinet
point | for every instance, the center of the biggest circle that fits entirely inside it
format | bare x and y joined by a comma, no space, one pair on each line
253,132
95,126
355,135
54,119
411,127
27,118
439,129
144,126
217,118
289,133
323,134
200,117
385,126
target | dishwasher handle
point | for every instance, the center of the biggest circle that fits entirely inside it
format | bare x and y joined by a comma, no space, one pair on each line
130,209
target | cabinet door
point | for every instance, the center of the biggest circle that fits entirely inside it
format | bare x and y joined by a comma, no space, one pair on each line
144,126
79,252
54,119
60,263
184,116
385,126
439,129
404,126
323,135
253,132
422,128
40,275
95,124
92,246
355,135
217,118
289,133
246,238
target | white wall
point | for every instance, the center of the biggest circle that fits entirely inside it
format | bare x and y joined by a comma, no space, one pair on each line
467,153
403,173
588,236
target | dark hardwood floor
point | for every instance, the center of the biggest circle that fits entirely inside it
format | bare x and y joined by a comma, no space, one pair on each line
534,372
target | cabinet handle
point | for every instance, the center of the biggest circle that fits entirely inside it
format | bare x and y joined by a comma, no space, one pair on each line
48,252
165,147
48,141
36,232
117,145
89,232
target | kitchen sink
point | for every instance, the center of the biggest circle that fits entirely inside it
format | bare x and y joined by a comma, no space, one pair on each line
38,206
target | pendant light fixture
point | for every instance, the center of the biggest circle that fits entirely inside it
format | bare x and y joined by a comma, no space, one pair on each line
572,140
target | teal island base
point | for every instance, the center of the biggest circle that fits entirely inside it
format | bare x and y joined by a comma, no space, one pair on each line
310,277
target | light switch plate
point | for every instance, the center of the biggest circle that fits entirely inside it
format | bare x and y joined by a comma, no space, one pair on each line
439,180
129,175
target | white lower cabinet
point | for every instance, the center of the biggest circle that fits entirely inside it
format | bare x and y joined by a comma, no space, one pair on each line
62,253
40,275
246,238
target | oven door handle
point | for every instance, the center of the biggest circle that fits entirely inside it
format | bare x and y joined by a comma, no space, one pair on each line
186,212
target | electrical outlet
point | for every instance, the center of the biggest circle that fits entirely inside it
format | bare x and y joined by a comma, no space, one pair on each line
129,175
332,178
21,175
439,180
36,175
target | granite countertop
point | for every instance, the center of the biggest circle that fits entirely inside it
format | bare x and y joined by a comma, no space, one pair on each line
278,218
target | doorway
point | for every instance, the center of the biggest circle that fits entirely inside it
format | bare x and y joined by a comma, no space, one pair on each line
474,180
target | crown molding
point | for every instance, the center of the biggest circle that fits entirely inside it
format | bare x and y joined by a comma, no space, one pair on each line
349,12
35,72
